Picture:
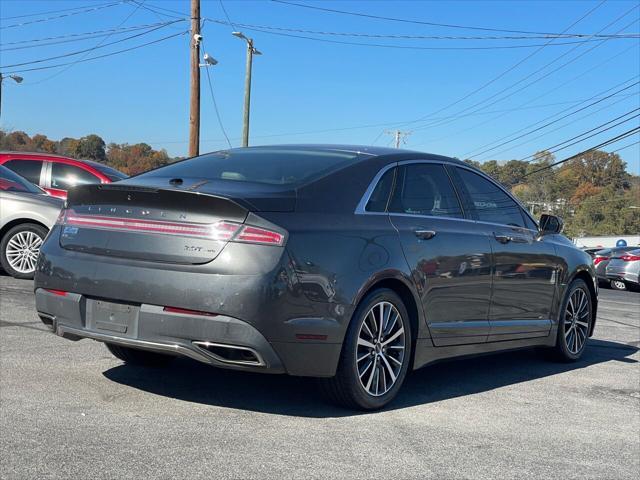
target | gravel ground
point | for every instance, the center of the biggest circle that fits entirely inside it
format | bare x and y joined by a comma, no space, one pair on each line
71,410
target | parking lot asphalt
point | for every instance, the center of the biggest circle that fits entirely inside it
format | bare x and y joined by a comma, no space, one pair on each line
71,410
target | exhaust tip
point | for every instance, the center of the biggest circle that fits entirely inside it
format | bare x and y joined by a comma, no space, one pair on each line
231,354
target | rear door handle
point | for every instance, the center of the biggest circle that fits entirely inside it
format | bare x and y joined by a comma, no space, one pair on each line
502,238
425,234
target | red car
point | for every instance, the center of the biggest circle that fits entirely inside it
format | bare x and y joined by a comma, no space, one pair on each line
55,173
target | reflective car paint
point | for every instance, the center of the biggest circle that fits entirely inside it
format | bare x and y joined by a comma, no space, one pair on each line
300,298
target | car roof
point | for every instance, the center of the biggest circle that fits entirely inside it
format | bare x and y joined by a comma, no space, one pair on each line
365,151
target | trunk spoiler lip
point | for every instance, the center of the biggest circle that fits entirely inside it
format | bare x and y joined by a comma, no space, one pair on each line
250,201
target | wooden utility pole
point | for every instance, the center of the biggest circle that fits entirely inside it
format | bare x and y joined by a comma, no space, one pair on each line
194,108
247,94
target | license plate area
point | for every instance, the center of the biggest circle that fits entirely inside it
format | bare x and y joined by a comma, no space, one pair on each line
118,319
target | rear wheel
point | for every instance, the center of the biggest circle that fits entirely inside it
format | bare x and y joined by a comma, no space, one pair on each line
575,322
145,358
19,249
618,285
375,356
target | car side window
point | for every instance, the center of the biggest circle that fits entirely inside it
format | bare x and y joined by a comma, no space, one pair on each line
380,195
29,169
65,176
491,204
425,189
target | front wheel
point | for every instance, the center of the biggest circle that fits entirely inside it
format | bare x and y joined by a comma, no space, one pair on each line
19,249
574,325
375,356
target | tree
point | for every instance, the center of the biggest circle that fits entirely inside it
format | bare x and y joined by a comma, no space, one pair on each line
91,147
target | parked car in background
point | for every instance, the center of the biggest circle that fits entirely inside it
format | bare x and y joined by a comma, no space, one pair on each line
57,174
352,264
601,259
623,269
27,214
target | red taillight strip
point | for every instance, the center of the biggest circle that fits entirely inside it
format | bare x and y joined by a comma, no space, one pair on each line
259,235
630,258
188,312
60,293
218,231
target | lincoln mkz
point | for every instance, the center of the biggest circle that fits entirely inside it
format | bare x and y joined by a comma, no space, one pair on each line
351,264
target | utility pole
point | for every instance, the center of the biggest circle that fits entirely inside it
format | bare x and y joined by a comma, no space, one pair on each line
194,106
251,50
398,136
15,78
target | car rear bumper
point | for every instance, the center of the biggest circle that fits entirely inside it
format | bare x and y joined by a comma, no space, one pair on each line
220,340
622,275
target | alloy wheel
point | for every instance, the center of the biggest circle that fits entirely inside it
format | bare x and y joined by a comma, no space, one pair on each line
22,251
576,321
380,352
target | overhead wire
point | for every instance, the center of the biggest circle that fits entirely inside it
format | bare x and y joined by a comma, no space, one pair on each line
42,20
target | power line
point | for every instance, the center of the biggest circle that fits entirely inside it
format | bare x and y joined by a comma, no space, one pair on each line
551,149
416,37
596,96
410,47
215,104
48,12
573,59
557,129
615,139
555,121
76,37
70,65
505,72
41,20
101,56
227,15
625,147
554,89
78,52
418,22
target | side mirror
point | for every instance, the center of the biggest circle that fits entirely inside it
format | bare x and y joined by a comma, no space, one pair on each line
550,224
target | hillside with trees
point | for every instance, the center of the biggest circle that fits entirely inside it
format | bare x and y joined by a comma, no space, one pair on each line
593,192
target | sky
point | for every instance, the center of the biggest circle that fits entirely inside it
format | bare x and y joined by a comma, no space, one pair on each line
454,102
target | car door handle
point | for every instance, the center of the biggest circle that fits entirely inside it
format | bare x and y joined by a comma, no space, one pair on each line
425,234
502,238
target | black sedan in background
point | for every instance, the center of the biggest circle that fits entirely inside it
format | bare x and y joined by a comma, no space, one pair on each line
351,264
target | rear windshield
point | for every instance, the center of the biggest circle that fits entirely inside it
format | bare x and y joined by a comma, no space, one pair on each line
12,182
259,165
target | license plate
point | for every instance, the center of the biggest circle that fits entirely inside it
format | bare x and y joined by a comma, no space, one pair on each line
114,318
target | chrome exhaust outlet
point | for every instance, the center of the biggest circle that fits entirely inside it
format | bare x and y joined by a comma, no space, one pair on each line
231,354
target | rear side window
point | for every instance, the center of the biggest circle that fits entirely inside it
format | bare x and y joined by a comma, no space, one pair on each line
64,176
271,166
491,204
425,189
29,169
380,195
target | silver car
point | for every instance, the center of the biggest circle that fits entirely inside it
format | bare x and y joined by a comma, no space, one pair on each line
623,269
602,257
27,214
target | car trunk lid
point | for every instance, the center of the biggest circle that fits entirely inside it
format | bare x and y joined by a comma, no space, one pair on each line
149,223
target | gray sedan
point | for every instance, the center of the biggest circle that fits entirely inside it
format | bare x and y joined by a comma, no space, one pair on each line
27,214
623,269
601,259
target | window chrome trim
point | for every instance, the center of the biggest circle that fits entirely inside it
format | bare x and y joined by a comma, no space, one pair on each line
361,207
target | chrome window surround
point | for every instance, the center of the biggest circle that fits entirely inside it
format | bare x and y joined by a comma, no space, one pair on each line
361,207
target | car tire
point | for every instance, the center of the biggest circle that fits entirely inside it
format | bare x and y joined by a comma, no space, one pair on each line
25,237
353,386
618,285
574,322
144,358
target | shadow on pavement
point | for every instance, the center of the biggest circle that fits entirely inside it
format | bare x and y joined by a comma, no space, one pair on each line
296,396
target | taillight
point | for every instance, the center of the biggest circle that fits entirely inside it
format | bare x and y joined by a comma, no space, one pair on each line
60,293
222,230
259,235
630,258
597,260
